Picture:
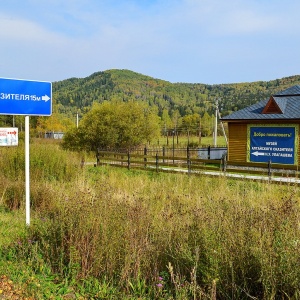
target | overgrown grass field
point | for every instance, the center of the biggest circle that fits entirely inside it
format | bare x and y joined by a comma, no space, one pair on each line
104,233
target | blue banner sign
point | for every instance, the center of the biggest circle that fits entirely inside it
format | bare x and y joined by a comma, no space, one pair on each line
25,97
273,143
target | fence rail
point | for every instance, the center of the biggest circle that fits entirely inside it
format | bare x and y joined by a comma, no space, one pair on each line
189,163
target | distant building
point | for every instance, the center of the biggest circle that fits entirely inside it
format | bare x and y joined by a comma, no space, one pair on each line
54,135
266,131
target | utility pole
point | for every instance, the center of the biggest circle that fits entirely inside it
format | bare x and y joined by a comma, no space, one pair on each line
223,129
216,124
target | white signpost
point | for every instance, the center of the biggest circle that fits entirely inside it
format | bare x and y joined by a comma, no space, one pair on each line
28,98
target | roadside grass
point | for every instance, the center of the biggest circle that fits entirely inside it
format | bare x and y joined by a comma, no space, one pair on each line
11,225
18,268
105,233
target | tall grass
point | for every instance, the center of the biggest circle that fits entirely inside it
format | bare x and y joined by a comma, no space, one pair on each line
48,164
117,233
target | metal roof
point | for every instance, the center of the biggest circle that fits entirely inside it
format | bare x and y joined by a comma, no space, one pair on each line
294,90
281,102
287,100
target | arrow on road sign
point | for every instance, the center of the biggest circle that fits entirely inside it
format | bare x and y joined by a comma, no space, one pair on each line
12,132
46,98
256,153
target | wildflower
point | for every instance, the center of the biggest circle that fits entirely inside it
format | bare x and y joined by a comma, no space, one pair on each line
159,285
160,278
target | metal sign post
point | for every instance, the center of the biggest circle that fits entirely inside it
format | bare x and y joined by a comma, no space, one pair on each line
27,172
28,98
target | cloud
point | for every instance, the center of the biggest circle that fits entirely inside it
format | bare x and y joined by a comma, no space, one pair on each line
170,39
245,22
24,31
16,29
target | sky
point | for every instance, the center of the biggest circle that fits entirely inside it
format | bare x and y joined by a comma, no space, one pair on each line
190,41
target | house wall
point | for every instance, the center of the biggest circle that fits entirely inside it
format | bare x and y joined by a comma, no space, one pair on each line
237,139
237,142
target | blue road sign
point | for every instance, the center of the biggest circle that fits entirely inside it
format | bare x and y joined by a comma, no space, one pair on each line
277,144
25,97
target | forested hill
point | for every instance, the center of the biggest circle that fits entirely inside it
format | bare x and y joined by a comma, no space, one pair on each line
78,94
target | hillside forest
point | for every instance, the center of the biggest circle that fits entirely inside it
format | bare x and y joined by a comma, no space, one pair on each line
184,107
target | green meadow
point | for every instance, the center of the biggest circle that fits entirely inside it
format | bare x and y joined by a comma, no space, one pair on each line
105,233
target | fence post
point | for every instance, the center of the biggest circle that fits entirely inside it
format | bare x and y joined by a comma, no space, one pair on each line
224,162
188,159
163,153
168,138
156,161
145,158
208,152
173,146
270,169
97,157
128,160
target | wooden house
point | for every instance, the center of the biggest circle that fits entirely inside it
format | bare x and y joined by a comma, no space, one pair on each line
267,131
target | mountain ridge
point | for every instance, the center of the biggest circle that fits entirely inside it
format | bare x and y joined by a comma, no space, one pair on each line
79,94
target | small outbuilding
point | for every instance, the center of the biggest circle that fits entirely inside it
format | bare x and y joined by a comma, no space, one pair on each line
54,135
267,131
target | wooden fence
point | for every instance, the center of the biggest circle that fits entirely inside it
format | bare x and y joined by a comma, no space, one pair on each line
189,163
